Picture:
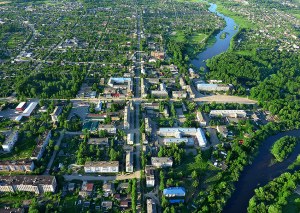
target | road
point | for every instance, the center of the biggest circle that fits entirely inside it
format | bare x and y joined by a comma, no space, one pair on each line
54,153
104,178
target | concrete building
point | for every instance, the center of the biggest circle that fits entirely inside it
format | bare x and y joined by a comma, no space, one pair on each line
179,94
151,206
27,112
98,141
42,143
121,83
127,117
223,131
212,87
201,119
162,93
38,184
180,132
111,129
10,141
129,162
130,138
187,141
161,162
57,111
150,178
21,106
101,167
228,113
17,166
148,125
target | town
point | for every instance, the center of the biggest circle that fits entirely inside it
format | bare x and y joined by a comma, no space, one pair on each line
102,111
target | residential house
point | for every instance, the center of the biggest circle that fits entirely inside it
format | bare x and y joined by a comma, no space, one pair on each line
57,111
17,166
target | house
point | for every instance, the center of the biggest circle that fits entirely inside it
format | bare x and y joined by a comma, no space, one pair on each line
98,141
111,129
201,119
175,194
10,141
106,205
101,167
124,204
130,138
150,178
86,189
57,111
108,189
17,166
42,143
161,162
151,206
71,187
158,55
129,162
38,184
179,94
223,131
228,113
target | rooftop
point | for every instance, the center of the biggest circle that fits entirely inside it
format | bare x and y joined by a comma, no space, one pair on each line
101,163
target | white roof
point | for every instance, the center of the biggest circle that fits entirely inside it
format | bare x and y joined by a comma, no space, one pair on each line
30,108
18,118
20,105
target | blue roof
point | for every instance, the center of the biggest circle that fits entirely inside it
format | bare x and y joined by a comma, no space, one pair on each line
174,191
176,201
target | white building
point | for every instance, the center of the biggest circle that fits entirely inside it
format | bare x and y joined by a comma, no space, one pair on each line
151,206
129,162
111,129
179,94
201,119
180,132
148,125
150,178
161,162
41,146
228,113
212,87
10,141
121,83
27,112
57,111
127,117
101,167
130,138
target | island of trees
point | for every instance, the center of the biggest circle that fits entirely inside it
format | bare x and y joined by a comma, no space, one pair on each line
283,147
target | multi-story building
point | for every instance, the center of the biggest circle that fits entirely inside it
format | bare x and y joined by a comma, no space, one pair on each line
179,94
212,87
28,183
161,162
10,141
129,162
101,167
42,143
130,138
17,166
151,206
148,125
98,142
201,119
127,117
228,113
111,129
150,178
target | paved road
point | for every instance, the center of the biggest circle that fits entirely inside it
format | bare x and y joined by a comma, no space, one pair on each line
103,178
54,153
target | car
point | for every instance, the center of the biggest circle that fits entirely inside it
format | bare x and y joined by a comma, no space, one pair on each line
99,175
79,175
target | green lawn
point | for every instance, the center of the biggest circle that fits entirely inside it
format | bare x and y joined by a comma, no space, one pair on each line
198,38
179,36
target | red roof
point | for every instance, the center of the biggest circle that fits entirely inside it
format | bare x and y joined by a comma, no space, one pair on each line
89,187
115,94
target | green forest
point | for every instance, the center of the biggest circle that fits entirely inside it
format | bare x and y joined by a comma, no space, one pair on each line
283,147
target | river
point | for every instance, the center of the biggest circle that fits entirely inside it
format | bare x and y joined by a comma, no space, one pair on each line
259,173
221,45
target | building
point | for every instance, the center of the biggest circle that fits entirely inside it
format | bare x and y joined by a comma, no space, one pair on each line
144,139
98,141
101,167
27,112
127,117
17,166
201,119
10,141
91,126
212,87
129,162
121,83
180,132
175,194
42,143
228,113
108,189
151,206
57,111
86,189
148,125
187,141
96,117
130,138
179,94
12,210
106,205
111,129
162,93
161,162
21,106
38,184
223,131
153,106
150,178
158,55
